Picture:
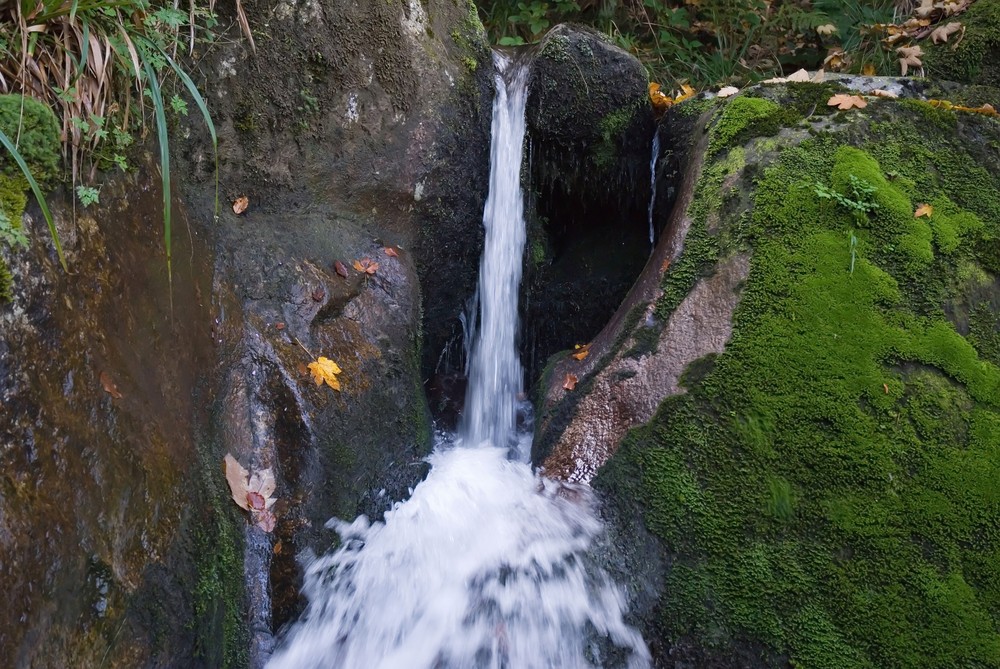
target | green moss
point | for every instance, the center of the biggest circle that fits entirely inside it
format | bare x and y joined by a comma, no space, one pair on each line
613,127
701,248
35,130
975,59
744,118
828,486
12,203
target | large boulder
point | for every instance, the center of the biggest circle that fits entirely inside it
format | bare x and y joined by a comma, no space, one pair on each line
355,128
590,131
800,399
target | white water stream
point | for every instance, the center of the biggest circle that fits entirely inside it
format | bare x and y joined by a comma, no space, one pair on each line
483,566
654,159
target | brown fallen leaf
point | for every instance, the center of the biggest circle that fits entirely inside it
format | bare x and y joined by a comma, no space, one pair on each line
240,204
303,370
836,60
391,252
819,77
665,266
265,520
279,326
845,101
325,370
255,501
909,56
366,266
581,351
238,478
570,382
868,70
880,93
109,386
923,210
340,269
277,548
942,33
318,294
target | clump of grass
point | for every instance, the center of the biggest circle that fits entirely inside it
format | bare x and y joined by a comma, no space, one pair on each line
95,62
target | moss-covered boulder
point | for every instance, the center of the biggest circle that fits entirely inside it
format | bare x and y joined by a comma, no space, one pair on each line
803,394
588,113
975,57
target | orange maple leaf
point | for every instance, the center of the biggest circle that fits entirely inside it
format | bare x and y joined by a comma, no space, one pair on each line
366,265
844,101
581,351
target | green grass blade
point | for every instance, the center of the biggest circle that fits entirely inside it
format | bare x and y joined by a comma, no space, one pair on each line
161,131
200,101
72,10
9,145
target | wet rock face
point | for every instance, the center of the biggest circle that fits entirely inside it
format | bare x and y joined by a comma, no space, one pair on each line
101,385
590,129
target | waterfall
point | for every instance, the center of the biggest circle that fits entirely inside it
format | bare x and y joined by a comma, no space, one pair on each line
652,185
484,566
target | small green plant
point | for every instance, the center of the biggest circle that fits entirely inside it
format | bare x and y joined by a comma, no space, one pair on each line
88,195
178,105
862,199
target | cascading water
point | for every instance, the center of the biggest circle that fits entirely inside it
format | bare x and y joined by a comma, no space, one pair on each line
652,185
484,565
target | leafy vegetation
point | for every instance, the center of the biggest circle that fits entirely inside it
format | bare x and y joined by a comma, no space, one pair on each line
828,487
94,62
716,42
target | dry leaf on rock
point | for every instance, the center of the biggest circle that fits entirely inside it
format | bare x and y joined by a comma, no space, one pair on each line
844,101
909,56
880,93
727,91
238,478
391,252
570,382
581,351
924,210
798,77
262,483
325,370
819,77
109,386
340,269
366,266
942,33
660,100
241,204
265,520
686,93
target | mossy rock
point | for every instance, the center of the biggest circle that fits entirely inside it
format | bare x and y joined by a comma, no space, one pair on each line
826,488
975,58
588,110
34,129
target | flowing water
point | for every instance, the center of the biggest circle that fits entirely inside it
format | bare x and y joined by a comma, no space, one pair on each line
484,565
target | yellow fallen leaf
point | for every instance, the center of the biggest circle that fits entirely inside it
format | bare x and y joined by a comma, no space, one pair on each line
844,101
868,70
686,93
923,210
325,370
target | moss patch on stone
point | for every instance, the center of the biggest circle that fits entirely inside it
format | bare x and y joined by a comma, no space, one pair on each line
34,129
828,485
746,117
975,59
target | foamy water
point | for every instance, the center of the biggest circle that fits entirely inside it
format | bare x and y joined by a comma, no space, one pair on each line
484,566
